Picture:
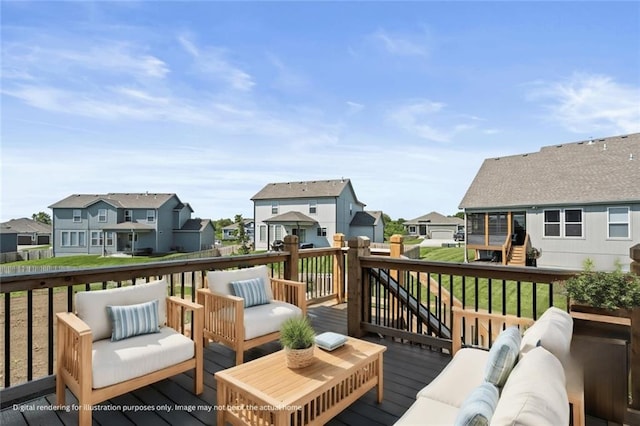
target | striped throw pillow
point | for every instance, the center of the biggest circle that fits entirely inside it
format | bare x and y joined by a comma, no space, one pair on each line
477,409
503,356
252,291
133,320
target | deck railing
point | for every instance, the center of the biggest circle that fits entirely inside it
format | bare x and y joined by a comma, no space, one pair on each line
30,301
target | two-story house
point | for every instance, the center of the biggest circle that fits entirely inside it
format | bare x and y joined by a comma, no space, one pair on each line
229,232
572,201
127,223
314,211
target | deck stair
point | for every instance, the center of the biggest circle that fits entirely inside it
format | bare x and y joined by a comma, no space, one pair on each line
518,256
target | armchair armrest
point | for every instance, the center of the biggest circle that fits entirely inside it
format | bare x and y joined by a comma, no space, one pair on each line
176,307
74,343
223,315
289,291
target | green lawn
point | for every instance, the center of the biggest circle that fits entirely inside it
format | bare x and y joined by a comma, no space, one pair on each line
85,260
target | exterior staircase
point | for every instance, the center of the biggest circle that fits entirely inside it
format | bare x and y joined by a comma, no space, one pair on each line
518,256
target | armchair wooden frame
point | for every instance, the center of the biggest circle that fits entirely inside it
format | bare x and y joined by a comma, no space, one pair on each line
224,315
574,373
74,358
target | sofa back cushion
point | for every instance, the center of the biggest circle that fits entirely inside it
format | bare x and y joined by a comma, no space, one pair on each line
91,306
535,393
220,281
553,331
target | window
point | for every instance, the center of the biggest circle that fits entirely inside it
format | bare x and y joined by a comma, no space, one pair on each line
573,223
552,223
563,223
322,232
313,207
110,238
350,209
274,207
301,233
128,214
102,215
618,222
277,231
151,215
72,239
263,233
96,238
77,215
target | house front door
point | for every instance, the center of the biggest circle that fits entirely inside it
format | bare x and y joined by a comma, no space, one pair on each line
519,228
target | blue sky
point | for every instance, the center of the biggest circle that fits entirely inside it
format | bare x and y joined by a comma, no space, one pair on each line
213,100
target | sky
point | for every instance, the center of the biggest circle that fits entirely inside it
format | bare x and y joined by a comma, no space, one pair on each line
214,100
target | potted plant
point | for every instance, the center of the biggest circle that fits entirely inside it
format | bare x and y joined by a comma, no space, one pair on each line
298,339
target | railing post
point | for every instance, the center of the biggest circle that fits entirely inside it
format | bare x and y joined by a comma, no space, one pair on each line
396,250
291,265
338,267
634,253
358,247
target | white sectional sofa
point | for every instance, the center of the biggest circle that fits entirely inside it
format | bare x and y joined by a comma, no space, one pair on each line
535,391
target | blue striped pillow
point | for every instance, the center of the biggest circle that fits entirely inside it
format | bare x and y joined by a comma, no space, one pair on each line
133,320
503,356
252,291
477,409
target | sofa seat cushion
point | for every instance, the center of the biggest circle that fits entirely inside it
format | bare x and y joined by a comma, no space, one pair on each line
462,375
91,306
115,362
264,319
553,331
427,411
220,281
535,393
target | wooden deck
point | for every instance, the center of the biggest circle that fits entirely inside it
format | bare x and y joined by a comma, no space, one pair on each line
407,369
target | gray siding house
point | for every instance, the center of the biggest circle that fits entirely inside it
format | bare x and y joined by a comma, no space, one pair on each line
314,211
229,231
572,201
434,225
127,223
29,231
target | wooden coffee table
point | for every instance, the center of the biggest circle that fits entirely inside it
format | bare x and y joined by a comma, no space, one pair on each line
266,392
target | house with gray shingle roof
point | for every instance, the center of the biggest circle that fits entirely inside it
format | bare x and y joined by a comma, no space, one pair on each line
314,211
30,232
127,223
573,201
434,225
229,231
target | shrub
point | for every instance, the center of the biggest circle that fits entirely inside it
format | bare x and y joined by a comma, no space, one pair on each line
609,290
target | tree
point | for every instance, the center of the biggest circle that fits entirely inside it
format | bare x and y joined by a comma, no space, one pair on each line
241,235
459,214
392,227
42,217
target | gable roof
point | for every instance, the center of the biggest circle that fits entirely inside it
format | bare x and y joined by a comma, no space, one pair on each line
27,226
435,218
118,200
305,189
586,172
196,224
367,218
292,217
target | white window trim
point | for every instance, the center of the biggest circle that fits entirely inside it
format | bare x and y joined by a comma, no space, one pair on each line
77,216
563,224
628,223
275,207
151,214
71,232
544,223
313,207
102,215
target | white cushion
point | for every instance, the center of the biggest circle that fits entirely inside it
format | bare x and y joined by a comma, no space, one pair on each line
219,281
91,306
115,362
463,374
264,319
535,393
553,331
426,411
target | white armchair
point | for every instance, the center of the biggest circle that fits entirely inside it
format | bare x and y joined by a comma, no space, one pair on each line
236,321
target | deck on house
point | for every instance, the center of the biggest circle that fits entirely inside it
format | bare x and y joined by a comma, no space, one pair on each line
407,369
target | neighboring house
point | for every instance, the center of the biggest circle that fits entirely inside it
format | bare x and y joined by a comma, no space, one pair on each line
229,231
572,201
434,225
8,240
314,211
29,231
127,223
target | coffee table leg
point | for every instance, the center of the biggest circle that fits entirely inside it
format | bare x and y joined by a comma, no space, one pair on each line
221,403
380,379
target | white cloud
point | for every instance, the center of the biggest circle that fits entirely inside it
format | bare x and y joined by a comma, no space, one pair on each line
401,44
354,107
418,118
584,103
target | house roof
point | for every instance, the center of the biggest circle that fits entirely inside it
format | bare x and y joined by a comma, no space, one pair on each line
246,221
292,217
435,218
27,226
305,189
195,224
367,218
118,200
587,172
